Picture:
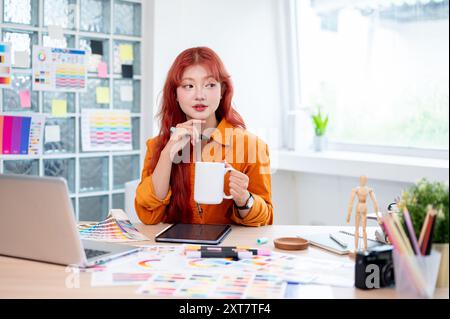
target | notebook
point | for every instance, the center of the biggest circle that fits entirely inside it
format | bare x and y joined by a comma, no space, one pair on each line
324,241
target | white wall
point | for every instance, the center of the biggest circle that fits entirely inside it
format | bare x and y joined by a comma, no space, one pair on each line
314,199
244,34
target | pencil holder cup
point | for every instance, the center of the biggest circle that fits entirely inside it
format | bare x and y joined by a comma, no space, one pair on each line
415,276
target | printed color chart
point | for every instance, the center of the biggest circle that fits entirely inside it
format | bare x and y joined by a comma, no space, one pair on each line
56,69
106,130
5,65
21,135
115,228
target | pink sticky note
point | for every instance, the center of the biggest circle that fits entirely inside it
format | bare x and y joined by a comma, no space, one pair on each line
25,100
102,70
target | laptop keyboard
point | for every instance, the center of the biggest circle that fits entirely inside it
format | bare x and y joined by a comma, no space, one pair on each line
90,253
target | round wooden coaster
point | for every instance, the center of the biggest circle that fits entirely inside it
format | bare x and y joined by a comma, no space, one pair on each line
291,243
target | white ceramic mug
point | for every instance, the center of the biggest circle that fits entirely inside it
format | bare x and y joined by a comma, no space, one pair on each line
209,182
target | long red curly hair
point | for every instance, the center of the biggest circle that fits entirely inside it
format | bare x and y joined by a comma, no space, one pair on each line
170,114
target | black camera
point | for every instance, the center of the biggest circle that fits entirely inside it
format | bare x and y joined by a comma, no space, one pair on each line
374,268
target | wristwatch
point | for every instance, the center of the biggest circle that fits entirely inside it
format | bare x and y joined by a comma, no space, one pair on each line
248,203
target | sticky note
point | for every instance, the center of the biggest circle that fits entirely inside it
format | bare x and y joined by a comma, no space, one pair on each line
102,95
94,62
59,108
127,71
102,70
25,99
126,93
21,59
126,52
55,32
96,47
52,133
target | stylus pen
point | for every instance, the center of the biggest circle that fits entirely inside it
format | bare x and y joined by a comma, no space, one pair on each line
202,137
337,240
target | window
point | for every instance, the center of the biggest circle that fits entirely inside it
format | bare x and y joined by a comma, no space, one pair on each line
95,179
378,68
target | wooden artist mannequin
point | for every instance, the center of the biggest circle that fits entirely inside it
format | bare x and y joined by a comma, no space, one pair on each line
361,191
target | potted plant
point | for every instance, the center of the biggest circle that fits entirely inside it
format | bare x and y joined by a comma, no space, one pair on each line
416,198
320,126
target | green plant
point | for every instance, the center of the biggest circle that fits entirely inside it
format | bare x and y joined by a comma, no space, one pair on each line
417,197
320,123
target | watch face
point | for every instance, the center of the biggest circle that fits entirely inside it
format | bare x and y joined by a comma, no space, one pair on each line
250,202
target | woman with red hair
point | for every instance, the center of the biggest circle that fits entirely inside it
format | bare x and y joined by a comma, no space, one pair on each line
198,121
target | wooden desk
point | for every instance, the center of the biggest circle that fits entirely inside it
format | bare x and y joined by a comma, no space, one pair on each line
29,279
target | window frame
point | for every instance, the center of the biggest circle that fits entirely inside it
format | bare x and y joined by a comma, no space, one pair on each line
292,112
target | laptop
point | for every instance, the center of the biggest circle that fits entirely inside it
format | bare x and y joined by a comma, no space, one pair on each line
37,222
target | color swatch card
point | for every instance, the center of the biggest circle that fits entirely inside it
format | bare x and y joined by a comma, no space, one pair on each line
21,135
56,69
105,278
299,269
199,285
115,228
214,285
164,284
106,130
232,286
5,65
266,286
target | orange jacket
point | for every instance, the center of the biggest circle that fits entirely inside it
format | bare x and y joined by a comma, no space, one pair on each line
242,150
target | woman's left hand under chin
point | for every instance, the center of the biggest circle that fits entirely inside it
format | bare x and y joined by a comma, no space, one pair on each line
238,186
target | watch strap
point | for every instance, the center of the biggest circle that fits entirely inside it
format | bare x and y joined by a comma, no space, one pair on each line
246,203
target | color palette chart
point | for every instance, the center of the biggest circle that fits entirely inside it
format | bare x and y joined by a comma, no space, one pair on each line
115,228
106,130
173,274
215,285
21,135
5,65
100,279
57,69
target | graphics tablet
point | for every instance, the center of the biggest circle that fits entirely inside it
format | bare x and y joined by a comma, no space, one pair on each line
193,234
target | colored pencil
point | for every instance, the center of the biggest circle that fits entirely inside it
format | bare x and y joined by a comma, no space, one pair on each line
426,238
424,227
430,239
402,234
411,232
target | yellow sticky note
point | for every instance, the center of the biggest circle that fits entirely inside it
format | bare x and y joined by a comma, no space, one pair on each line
126,52
102,95
59,108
